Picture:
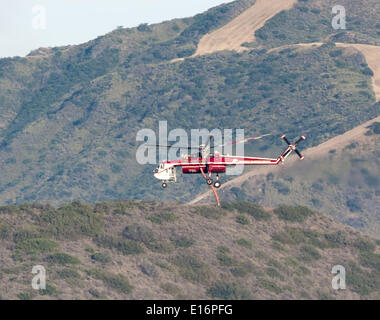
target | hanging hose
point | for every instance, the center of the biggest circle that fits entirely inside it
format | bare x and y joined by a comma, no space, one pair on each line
212,188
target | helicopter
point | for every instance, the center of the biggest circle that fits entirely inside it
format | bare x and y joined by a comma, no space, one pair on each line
207,163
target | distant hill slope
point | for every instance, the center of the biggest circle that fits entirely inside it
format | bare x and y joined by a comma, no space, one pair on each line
146,250
280,22
339,177
69,115
310,21
77,140
372,56
242,29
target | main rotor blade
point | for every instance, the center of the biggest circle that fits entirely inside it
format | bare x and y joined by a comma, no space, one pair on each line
208,140
171,146
299,140
252,139
243,141
286,140
299,154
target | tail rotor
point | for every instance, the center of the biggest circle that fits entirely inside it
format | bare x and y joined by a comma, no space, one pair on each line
292,147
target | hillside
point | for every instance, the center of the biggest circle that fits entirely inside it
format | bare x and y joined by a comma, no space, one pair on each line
339,177
310,21
149,250
82,145
69,115
242,29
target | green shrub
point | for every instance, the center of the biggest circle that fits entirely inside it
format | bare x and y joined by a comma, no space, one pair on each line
148,269
183,242
224,258
293,214
270,286
145,235
336,239
62,259
67,274
277,246
25,296
25,234
363,245
281,187
294,236
120,209
354,205
50,290
170,288
303,271
37,245
139,233
90,250
244,243
376,128
228,291
162,217
72,221
192,269
126,247
96,294
360,281
18,255
101,257
242,270
115,168
102,207
367,71
4,232
161,247
254,210
117,282
242,219
9,209
239,193
273,273
370,260
309,253
144,27
209,212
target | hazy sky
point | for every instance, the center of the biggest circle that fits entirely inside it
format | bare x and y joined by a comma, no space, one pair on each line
23,27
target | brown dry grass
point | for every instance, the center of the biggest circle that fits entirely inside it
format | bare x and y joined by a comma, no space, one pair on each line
242,29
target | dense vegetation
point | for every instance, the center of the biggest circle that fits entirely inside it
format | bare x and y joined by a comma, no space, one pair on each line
288,254
310,21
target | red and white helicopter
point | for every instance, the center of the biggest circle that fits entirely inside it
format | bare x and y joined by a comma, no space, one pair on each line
208,163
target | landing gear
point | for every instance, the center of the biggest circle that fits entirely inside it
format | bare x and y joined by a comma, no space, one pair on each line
217,183
209,181
164,185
